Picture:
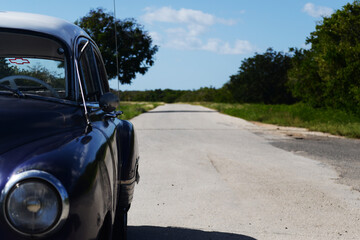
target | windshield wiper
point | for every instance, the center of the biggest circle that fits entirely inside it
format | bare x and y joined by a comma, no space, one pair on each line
15,91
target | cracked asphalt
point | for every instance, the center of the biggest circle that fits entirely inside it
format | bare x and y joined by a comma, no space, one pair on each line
338,152
205,175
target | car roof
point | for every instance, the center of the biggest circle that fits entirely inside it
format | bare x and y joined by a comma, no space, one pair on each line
61,29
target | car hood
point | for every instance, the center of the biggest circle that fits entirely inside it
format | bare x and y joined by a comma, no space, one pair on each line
24,120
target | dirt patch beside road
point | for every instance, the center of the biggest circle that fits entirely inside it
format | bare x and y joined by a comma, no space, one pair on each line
294,132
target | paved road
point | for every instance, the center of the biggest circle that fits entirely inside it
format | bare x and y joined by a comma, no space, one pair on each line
342,154
205,175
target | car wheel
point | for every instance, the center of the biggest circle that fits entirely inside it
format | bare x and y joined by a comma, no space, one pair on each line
120,224
105,231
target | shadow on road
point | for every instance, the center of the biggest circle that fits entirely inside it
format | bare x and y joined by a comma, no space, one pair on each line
171,233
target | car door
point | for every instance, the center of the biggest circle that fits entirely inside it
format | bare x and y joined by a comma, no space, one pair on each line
94,85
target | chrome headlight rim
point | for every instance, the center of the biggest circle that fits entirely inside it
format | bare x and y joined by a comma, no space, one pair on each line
46,178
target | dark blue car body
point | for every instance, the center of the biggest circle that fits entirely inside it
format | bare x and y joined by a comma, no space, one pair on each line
72,143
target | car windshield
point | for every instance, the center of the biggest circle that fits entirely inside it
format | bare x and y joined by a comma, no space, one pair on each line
32,65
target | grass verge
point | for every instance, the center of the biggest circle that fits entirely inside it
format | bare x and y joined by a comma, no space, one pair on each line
298,115
132,109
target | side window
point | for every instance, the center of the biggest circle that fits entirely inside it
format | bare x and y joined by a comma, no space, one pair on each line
102,72
89,75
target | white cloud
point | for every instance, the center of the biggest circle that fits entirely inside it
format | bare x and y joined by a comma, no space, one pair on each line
189,27
317,11
187,16
215,45
181,38
219,46
240,47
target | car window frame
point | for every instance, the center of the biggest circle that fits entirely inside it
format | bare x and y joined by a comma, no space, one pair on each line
88,73
98,81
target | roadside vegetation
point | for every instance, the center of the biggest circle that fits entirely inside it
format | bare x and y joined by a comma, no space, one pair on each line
332,121
132,109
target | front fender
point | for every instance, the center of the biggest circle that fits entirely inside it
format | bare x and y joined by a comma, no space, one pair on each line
78,160
128,149
128,157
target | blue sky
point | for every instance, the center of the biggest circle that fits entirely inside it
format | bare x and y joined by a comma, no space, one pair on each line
201,42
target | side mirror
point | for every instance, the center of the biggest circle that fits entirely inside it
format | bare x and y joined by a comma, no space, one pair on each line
108,102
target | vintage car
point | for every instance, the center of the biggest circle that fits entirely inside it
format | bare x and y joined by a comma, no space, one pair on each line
68,165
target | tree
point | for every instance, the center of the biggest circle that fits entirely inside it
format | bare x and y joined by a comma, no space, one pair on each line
333,60
135,49
5,69
262,79
304,80
56,80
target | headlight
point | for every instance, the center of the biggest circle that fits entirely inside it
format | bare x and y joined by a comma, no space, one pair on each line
35,203
32,206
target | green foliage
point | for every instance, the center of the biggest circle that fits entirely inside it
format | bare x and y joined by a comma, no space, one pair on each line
133,109
36,71
135,49
157,95
304,80
332,121
262,79
42,73
5,69
329,73
208,94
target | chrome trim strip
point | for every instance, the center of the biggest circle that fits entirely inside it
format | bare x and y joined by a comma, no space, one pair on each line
93,105
83,48
31,174
82,93
130,181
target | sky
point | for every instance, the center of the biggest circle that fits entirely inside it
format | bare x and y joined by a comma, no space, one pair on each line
203,42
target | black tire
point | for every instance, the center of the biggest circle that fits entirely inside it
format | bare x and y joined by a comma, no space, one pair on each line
120,224
105,231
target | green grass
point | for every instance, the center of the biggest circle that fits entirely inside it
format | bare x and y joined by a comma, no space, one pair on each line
132,109
332,121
